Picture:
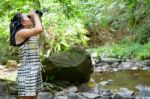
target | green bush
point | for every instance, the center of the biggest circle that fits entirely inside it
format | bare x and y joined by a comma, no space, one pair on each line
66,23
144,53
124,51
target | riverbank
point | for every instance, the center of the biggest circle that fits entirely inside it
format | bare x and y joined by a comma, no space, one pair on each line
117,73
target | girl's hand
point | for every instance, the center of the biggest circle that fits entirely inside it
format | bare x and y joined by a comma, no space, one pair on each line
33,14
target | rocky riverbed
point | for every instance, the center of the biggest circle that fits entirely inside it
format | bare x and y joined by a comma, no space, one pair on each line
96,88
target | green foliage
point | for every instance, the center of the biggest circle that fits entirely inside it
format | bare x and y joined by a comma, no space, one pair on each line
66,23
63,28
142,33
124,50
115,18
131,17
71,8
67,31
4,43
144,53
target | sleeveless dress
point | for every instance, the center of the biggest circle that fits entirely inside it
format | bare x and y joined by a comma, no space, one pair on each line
29,73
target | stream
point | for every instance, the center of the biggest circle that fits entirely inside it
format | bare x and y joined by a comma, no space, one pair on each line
122,79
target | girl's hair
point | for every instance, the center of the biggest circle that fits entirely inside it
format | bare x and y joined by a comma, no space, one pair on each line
15,25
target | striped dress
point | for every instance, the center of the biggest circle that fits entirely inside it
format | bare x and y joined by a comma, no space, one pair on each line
29,73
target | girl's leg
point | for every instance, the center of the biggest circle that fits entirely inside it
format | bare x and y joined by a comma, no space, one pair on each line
36,97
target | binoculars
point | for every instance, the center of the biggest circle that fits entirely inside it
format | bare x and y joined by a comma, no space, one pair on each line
39,13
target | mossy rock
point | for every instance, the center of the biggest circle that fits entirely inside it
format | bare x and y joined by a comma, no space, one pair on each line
73,65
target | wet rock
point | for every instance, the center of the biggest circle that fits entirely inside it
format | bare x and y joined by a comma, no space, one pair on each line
60,93
48,87
45,95
13,88
114,65
90,87
69,89
110,64
90,95
102,68
124,93
146,62
106,94
74,66
146,68
110,60
72,89
139,64
80,97
61,97
101,64
75,96
8,97
126,65
98,69
8,87
72,95
144,92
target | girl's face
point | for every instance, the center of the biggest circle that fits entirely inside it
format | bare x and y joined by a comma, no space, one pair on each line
27,22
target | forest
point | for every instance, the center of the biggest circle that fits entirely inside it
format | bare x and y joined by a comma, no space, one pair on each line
118,28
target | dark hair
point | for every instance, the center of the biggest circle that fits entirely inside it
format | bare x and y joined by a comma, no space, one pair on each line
15,25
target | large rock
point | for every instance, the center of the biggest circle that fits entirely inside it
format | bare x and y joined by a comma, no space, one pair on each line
8,87
74,66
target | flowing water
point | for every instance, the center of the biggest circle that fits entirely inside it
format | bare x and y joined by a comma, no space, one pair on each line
123,79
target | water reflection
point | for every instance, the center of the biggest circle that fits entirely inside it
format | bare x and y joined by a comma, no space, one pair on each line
125,78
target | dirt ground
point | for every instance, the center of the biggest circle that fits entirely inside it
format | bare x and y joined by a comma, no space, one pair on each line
8,73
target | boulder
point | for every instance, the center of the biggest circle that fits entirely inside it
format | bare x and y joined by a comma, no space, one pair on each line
74,66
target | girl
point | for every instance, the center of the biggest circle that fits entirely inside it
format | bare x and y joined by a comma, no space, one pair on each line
23,34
